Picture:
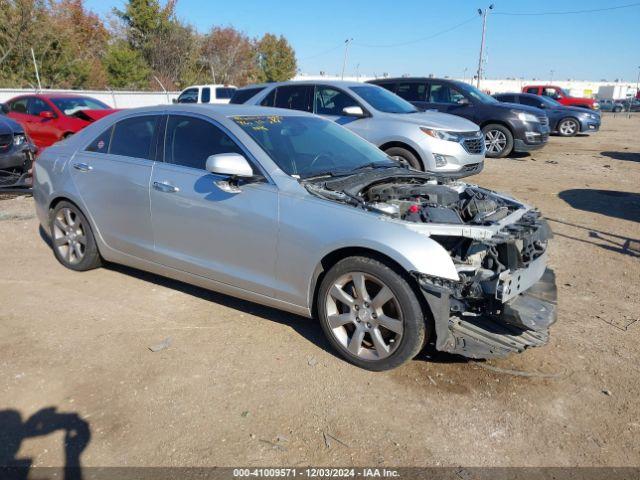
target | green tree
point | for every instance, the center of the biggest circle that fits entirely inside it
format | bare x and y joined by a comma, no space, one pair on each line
276,59
125,67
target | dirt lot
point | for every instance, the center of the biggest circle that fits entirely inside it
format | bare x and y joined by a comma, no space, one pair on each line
244,384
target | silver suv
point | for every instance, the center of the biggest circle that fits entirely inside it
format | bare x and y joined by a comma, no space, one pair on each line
440,143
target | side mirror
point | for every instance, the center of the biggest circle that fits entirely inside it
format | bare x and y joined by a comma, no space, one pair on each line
354,111
47,114
174,100
230,164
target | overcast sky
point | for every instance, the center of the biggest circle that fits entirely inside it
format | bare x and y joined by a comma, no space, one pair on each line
393,36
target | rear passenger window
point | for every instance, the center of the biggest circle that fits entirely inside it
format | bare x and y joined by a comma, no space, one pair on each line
101,143
133,137
190,141
533,90
294,97
241,96
412,92
205,97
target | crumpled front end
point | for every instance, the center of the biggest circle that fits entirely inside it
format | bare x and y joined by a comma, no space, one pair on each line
506,298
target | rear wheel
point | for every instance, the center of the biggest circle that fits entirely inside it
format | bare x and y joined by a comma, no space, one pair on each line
370,314
72,239
399,153
498,140
568,127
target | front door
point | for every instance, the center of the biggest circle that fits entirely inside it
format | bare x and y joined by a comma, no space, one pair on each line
330,102
447,99
112,176
198,226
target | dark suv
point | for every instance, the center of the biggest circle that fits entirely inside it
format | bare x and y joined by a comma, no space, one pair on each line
506,128
16,149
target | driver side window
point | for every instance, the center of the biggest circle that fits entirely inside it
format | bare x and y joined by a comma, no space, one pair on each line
550,92
37,106
189,141
440,93
330,101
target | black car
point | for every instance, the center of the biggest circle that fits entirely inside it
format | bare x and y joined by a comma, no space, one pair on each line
16,151
506,128
563,120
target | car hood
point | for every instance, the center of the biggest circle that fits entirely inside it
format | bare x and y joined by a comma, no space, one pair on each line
8,125
437,120
522,108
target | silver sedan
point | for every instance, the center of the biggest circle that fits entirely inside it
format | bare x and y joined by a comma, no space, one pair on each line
289,210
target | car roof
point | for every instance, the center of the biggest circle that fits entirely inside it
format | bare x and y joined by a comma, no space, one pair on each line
221,110
210,85
413,79
331,83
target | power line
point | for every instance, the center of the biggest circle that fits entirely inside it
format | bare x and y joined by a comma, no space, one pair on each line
324,52
569,12
417,40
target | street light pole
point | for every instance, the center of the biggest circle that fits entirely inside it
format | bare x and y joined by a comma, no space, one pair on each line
346,49
484,27
638,84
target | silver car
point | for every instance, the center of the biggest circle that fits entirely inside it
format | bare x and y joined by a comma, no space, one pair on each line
289,210
444,144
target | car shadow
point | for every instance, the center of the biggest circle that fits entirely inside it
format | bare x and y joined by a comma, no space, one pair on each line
625,156
605,240
308,328
520,156
14,430
613,203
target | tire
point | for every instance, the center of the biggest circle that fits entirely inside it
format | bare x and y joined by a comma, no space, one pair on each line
72,239
498,140
406,155
373,332
568,127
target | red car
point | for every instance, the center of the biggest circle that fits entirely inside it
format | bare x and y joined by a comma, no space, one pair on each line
561,96
49,117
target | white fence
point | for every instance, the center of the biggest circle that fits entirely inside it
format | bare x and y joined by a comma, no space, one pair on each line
115,99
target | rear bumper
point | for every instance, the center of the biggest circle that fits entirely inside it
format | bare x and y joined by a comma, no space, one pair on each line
511,327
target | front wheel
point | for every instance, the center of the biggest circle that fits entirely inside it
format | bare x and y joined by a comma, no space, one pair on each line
568,127
498,140
402,154
370,314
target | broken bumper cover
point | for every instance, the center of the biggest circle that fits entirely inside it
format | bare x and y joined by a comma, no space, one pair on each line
521,322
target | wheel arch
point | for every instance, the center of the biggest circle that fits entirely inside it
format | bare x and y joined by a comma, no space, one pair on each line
399,144
498,122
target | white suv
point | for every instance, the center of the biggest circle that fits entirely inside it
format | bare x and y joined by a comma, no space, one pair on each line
215,93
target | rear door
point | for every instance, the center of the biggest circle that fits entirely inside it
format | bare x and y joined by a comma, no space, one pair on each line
112,175
293,97
202,229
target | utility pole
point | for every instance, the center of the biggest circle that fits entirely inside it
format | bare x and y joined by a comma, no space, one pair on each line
35,64
484,14
638,84
346,49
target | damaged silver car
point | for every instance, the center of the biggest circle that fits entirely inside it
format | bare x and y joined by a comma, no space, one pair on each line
295,212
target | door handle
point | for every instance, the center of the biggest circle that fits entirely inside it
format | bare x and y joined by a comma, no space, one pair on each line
165,187
83,167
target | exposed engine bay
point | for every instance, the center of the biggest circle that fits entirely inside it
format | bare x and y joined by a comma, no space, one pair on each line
497,244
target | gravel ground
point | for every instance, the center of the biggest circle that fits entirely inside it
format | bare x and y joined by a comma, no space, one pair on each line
244,384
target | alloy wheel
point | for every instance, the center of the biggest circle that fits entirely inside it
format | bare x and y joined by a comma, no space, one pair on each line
69,237
568,127
495,141
364,316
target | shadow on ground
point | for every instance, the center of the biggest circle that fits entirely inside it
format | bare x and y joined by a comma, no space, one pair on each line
608,241
626,156
613,203
14,430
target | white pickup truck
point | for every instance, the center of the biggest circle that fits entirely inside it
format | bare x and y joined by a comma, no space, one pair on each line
215,93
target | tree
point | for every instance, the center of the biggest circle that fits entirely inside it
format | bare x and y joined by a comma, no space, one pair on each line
276,59
229,56
125,67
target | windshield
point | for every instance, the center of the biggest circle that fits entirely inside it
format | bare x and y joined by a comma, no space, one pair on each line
475,93
71,105
549,101
308,147
383,100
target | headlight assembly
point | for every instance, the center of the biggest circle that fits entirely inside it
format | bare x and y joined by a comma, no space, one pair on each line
441,134
19,139
528,117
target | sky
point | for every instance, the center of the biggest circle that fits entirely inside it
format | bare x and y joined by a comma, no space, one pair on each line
437,37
